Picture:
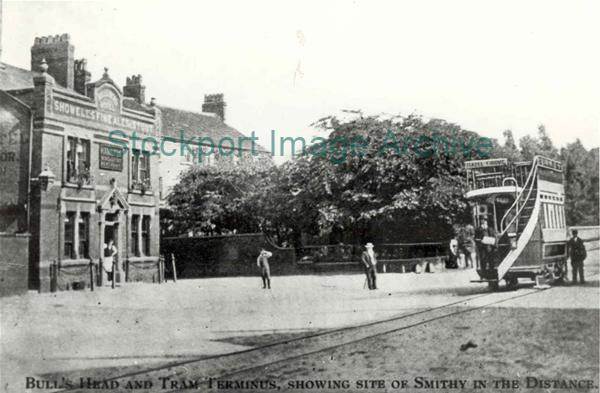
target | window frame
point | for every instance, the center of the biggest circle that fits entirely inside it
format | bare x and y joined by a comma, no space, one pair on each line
145,238
83,226
78,164
69,235
135,247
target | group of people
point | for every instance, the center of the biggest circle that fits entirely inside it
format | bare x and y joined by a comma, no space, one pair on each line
368,259
484,238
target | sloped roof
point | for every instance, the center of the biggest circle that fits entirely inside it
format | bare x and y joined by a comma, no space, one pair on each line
15,78
198,124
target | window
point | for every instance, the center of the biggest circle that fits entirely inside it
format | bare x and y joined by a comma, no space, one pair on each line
146,235
140,168
78,160
135,247
84,225
69,248
553,250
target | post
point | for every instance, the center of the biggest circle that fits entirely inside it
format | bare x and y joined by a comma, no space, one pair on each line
53,276
173,267
91,275
114,275
161,261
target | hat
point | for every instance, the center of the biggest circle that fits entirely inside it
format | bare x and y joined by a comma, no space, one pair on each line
369,245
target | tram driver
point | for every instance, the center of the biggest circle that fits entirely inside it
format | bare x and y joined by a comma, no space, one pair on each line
485,238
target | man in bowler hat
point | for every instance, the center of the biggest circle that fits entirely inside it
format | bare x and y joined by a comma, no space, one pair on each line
370,264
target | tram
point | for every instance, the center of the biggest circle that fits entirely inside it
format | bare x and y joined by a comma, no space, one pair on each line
519,219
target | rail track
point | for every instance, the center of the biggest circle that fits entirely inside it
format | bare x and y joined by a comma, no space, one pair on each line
196,374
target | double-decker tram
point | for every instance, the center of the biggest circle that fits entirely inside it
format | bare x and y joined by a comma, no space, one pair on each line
519,219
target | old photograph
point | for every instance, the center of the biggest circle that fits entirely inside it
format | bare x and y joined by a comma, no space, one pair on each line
299,196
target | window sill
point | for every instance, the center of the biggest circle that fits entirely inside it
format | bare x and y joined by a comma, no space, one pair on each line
143,259
74,262
75,185
139,192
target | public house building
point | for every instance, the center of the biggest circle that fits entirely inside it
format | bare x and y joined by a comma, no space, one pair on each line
64,193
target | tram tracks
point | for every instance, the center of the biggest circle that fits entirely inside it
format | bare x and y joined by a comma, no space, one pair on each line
177,377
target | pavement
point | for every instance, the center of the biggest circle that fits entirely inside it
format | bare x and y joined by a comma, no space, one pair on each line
145,325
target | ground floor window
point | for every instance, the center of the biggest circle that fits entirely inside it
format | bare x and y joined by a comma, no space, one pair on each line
76,235
140,234
84,231
69,247
135,247
146,235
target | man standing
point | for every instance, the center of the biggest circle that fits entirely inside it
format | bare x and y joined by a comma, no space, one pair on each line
485,239
578,254
263,263
110,252
370,263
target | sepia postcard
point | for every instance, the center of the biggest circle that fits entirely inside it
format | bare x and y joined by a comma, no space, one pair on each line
299,196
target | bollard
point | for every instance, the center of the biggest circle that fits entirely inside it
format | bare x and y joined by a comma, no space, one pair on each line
53,276
114,275
174,268
91,275
161,268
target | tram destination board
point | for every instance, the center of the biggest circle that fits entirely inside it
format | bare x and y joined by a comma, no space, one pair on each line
486,163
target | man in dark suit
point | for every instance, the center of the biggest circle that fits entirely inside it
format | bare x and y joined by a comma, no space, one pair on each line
370,264
578,254
485,242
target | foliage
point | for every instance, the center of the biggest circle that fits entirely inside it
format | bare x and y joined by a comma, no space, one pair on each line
580,169
366,180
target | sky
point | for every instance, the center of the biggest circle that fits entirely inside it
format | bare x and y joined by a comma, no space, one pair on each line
485,65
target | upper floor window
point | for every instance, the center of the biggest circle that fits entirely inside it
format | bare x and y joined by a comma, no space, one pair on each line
78,161
140,169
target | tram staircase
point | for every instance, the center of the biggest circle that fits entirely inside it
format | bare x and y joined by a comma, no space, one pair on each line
522,216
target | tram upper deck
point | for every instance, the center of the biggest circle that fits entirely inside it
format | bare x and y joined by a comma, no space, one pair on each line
499,176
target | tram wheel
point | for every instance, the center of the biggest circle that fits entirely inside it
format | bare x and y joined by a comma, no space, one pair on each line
493,285
511,283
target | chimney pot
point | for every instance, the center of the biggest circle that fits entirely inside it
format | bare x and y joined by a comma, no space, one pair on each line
133,88
215,103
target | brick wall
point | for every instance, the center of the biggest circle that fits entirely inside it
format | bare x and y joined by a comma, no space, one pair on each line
233,255
14,264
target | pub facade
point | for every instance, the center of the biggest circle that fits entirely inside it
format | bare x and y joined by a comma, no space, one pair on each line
67,189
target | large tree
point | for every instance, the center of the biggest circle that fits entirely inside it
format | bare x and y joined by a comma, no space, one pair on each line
367,178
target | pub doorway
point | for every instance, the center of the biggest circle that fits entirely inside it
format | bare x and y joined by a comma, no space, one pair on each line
111,249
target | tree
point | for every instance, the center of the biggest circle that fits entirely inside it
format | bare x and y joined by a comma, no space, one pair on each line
509,150
387,182
540,145
581,184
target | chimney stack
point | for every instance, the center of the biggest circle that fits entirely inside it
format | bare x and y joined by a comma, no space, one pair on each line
133,88
59,55
214,103
82,76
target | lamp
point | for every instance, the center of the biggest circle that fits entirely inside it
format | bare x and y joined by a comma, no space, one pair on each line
45,179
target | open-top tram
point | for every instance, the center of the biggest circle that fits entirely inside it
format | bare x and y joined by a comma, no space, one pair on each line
518,213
